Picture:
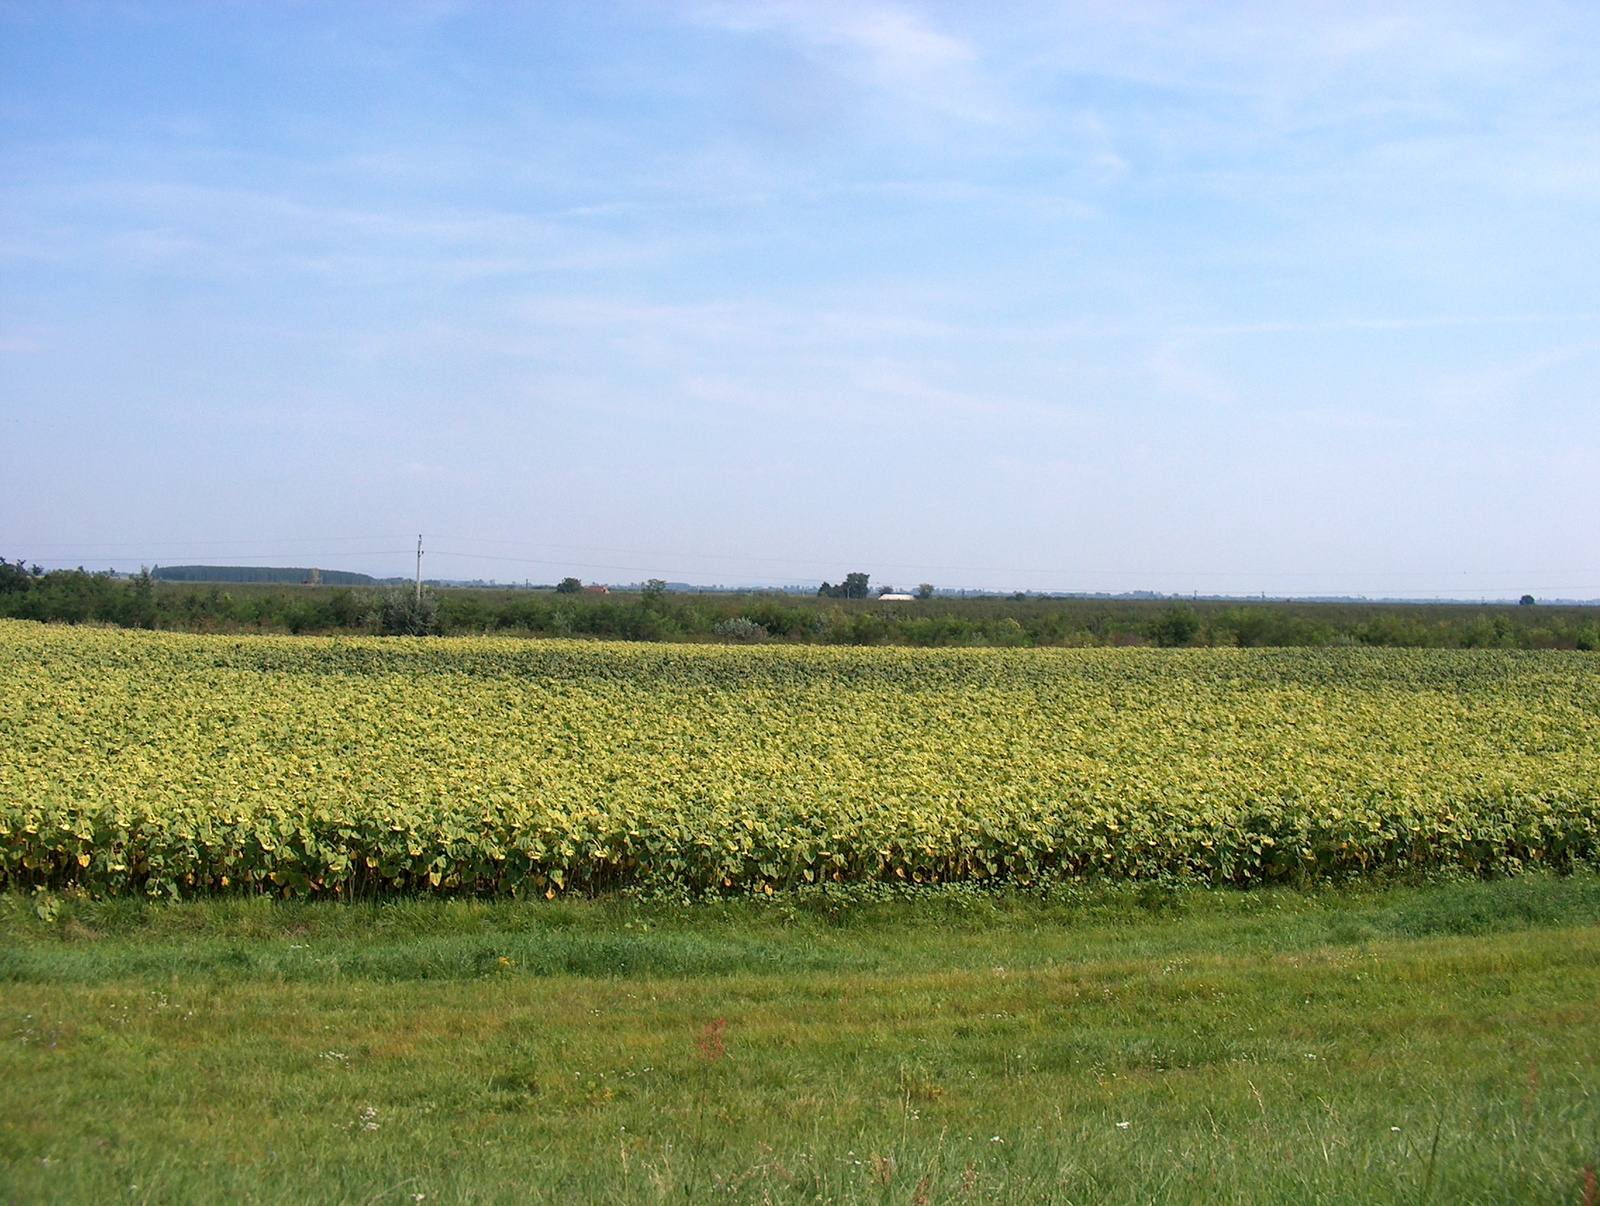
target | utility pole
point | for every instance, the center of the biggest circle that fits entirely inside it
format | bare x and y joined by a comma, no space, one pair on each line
419,571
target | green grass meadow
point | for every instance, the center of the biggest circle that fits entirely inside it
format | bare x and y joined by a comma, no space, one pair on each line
1435,1043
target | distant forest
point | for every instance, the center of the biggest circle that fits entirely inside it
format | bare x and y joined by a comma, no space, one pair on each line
258,573
79,597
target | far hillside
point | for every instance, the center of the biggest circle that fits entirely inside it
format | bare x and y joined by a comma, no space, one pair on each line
259,573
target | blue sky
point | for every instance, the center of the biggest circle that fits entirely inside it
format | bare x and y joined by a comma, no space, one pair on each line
1296,299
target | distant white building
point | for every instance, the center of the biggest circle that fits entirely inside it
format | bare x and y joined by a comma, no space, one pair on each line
896,598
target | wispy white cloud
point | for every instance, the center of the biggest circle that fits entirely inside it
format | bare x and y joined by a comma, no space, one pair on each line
180,226
895,50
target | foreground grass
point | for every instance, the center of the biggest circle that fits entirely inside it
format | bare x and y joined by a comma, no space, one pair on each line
1411,1045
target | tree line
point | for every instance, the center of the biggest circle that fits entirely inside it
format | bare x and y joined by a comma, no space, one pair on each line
653,613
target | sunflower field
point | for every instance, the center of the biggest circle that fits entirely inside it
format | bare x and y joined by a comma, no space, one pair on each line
178,764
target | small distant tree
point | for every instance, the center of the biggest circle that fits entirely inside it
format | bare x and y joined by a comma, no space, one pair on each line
925,591
655,588
1178,625
854,586
140,608
569,586
1527,601
15,577
401,613
741,629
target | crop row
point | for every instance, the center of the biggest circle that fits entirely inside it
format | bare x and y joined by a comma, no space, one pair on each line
165,763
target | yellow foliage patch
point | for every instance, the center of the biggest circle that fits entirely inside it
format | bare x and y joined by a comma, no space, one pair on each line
135,761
